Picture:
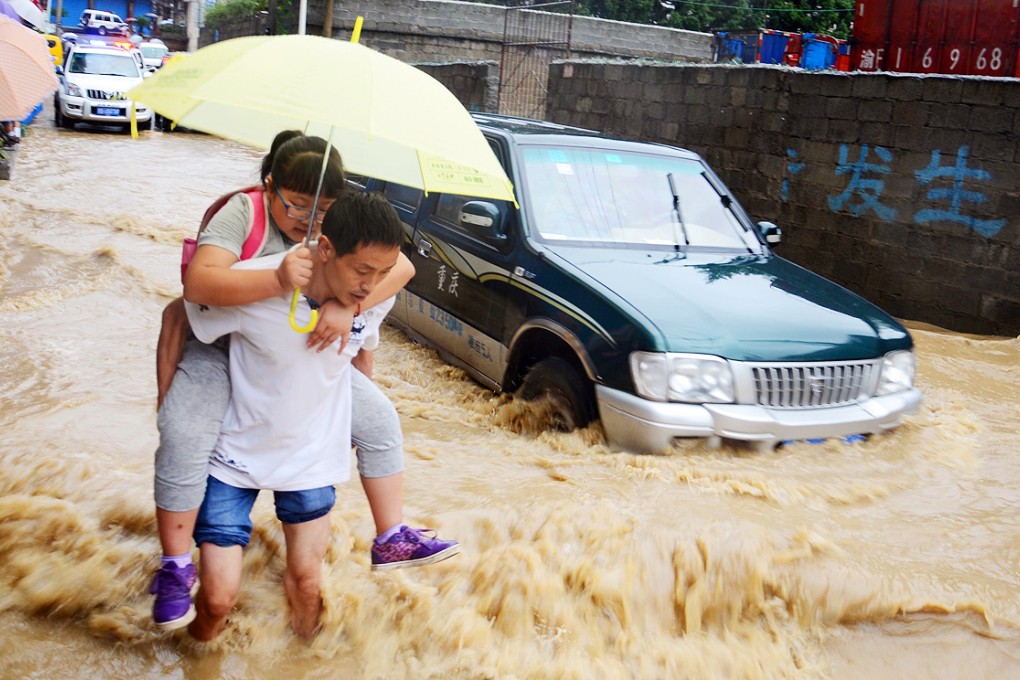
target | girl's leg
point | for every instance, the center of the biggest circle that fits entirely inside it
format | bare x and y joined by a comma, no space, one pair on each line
385,496
375,430
189,424
175,529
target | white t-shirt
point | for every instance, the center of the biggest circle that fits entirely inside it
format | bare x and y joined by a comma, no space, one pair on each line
365,332
288,425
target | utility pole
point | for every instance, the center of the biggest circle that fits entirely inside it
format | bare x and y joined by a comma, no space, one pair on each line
327,20
192,25
271,19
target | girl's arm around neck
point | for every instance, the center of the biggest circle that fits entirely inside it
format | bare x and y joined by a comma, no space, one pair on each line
211,281
402,272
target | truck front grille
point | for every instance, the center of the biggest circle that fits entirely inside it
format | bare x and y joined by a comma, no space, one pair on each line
814,385
105,96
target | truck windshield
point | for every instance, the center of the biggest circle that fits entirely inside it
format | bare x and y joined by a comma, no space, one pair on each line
153,51
103,64
615,197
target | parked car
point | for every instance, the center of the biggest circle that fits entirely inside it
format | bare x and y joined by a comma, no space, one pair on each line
92,86
102,22
56,48
155,53
631,287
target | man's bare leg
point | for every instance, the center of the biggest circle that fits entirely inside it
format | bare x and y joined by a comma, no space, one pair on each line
386,499
306,548
220,572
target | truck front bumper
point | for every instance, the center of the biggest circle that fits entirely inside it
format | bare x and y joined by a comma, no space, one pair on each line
643,426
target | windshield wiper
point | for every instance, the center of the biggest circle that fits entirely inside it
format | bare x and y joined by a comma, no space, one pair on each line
727,203
679,216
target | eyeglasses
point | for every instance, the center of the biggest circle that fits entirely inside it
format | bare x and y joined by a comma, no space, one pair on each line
298,213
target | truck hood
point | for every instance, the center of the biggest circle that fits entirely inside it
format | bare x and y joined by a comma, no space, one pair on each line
745,307
87,81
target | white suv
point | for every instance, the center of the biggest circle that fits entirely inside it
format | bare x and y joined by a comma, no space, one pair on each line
154,53
92,86
102,22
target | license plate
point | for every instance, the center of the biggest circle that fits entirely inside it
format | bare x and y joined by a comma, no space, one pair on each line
108,111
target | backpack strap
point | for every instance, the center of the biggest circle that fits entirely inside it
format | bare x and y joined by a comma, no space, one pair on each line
220,202
257,231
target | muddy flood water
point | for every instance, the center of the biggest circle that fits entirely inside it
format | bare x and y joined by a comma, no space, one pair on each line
898,557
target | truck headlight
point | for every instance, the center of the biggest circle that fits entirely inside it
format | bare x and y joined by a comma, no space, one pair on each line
693,378
897,372
73,90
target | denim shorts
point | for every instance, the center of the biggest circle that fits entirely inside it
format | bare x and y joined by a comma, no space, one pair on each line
225,516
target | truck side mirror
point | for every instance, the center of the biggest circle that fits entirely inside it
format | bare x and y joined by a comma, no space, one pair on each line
482,218
770,232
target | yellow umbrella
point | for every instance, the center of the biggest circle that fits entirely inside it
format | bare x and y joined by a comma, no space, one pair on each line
26,70
389,120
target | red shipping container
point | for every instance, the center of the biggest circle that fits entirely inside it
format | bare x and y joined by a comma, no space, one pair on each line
963,37
868,34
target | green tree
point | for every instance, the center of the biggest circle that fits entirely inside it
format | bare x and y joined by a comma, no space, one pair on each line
633,11
232,10
712,15
801,16
811,16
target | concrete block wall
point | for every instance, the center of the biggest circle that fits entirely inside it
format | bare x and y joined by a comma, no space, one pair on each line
475,84
445,30
903,188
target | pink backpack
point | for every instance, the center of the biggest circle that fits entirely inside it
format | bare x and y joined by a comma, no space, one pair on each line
256,229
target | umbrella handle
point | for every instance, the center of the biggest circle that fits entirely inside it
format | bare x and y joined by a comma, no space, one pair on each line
293,311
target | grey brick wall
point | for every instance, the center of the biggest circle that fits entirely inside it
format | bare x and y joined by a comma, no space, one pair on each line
475,84
903,188
443,30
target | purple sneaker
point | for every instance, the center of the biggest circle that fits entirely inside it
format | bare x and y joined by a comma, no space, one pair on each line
410,548
172,586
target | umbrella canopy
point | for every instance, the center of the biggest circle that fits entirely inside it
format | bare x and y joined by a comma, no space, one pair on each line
27,10
7,10
26,70
388,119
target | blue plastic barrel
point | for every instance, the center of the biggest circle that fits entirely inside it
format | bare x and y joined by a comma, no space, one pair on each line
816,55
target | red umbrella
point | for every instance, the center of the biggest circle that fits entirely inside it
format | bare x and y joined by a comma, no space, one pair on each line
26,70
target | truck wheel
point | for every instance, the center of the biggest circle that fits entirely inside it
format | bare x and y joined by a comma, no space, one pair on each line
568,392
61,120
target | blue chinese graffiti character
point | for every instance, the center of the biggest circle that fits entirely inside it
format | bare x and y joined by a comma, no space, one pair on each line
958,173
791,169
869,189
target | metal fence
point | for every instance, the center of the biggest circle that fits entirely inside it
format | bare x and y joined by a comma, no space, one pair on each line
534,34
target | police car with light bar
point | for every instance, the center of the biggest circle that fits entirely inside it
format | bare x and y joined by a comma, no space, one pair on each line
93,81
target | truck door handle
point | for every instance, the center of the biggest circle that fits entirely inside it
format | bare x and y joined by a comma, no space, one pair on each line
424,248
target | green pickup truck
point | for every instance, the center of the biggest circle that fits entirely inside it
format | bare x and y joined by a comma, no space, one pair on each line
629,286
